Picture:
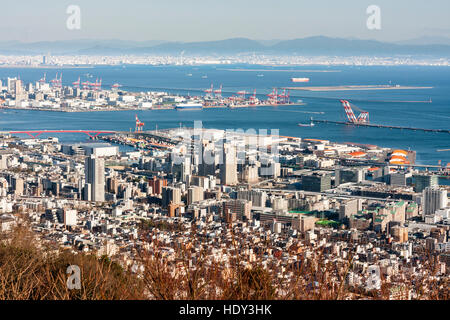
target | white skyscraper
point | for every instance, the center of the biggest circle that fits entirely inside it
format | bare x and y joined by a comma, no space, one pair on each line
228,169
434,199
95,176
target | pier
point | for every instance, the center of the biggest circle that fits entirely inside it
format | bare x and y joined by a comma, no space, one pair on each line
381,126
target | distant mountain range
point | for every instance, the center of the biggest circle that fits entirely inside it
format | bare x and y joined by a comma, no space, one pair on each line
318,45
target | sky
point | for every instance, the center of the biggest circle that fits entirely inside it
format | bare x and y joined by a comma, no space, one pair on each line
205,20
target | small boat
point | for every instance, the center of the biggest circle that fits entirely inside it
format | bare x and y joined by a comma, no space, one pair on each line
204,77
311,124
260,75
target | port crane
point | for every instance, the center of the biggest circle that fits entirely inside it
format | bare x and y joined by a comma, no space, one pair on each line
57,82
273,96
77,83
253,99
242,94
284,97
42,80
363,117
86,85
218,92
139,125
96,85
209,91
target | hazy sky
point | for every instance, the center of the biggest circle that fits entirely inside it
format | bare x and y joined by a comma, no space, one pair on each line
199,20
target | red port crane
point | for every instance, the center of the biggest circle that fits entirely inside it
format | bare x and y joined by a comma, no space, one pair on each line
273,96
363,117
57,82
42,80
86,85
139,125
218,92
96,85
242,94
210,90
284,97
77,83
253,98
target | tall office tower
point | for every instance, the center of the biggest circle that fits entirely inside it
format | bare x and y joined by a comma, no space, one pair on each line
170,195
228,169
195,194
11,85
95,176
423,181
18,186
182,170
18,87
433,200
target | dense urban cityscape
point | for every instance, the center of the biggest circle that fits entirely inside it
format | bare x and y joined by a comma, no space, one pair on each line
283,199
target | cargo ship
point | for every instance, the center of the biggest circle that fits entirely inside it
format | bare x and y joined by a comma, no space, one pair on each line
189,106
300,79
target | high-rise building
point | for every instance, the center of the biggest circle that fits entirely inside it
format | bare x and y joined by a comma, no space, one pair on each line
316,182
348,175
195,194
434,199
249,174
17,186
95,176
170,195
228,169
423,181
348,208
240,208
400,178
183,170
157,185
258,198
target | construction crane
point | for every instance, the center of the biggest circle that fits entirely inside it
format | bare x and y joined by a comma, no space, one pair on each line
363,117
139,125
